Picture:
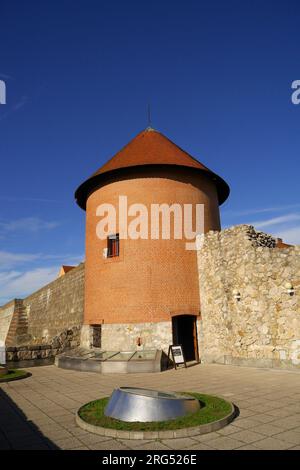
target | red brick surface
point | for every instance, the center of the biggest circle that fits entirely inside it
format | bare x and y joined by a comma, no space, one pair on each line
151,280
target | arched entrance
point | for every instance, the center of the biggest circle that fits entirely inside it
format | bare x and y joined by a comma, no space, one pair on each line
184,329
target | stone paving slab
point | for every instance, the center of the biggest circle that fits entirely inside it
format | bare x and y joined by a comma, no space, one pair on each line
272,443
247,436
178,444
39,412
200,446
225,443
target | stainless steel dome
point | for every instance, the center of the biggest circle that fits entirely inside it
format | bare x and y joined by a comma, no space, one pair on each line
139,404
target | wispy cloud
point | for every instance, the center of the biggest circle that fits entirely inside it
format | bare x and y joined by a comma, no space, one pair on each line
291,235
6,276
65,259
261,210
282,222
21,284
8,259
284,219
15,107
20,103
23,273
5,76
27,224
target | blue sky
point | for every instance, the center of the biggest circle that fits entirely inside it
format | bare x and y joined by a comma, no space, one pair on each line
79,76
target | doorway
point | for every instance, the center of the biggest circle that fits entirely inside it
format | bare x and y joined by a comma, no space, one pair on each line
184,329
96,336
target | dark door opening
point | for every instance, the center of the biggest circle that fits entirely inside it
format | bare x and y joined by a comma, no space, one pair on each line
185,333
96,337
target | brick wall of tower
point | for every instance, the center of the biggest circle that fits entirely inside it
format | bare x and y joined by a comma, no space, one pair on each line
151,280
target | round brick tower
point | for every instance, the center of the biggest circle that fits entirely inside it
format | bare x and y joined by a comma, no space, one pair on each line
143,291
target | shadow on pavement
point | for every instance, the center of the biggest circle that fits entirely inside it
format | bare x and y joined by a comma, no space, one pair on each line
16,431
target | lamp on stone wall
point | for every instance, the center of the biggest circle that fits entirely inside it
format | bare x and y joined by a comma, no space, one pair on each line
289,288
236,294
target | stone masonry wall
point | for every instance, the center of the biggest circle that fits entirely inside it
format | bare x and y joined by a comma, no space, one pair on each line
6,314
56,307
263,327
123,336
46,322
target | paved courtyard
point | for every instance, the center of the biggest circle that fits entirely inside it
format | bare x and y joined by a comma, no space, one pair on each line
38,412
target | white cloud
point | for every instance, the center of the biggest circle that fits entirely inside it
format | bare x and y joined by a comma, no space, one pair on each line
28,224
276,220
9,260
5,76
21,284
261,210
291,235
29,277
284,224
65,259
6,276
20,103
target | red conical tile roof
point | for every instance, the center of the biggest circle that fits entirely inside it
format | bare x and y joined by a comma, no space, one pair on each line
149,147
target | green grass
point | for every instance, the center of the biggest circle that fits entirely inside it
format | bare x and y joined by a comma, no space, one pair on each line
213,409
13,374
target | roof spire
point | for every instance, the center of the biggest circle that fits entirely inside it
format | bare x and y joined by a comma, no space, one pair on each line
149,127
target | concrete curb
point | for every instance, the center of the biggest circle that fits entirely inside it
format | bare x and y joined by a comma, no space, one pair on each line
170,434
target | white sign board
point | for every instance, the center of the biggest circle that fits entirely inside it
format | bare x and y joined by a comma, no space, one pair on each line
2,353
177,355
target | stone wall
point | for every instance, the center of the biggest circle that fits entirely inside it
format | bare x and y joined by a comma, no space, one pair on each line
263,327
67,339
123,336
46,322
260,329
56,307
6,314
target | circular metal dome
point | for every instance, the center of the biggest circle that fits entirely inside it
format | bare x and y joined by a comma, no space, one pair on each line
139,404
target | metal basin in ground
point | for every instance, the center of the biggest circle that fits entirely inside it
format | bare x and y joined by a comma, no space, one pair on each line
139,404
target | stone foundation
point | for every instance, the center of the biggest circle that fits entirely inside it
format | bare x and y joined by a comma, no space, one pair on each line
86,336
124,337
67,339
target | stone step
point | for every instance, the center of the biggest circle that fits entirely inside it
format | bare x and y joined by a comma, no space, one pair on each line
18,328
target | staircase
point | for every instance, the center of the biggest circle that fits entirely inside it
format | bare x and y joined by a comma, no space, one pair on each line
18,329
